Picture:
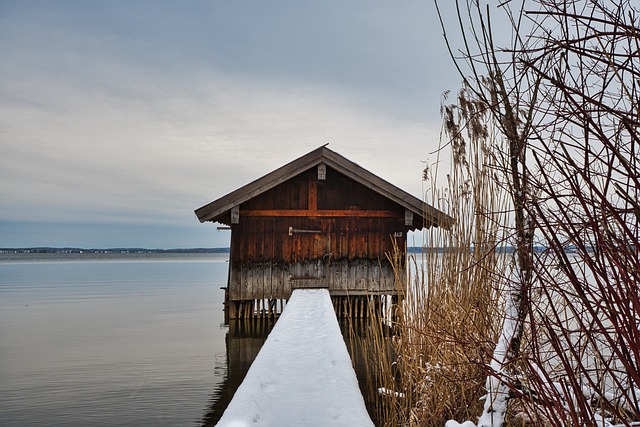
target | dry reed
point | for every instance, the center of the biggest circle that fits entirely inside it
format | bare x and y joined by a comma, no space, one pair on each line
427,364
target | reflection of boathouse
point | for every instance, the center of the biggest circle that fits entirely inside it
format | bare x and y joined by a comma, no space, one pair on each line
318,221
243,342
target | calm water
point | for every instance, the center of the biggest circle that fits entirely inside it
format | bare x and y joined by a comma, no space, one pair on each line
111,341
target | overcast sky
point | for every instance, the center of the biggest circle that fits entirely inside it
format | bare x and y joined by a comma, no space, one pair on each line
119,118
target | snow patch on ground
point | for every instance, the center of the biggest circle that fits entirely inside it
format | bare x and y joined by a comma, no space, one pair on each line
303,374
452,423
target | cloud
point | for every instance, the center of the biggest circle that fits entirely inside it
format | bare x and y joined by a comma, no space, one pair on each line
168,148
115,121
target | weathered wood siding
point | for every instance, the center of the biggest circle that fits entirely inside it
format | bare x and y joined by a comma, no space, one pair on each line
342,235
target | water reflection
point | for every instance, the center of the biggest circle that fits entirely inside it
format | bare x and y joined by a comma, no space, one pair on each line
244,340
359,335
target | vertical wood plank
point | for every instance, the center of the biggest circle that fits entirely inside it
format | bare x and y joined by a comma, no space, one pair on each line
312,201
243,281
249,236
345,284
341,236
234,282
287,272
270,255
353,239
374,240
280,281
294,194
303,192
362,239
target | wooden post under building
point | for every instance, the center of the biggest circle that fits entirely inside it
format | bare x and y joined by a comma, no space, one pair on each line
318,221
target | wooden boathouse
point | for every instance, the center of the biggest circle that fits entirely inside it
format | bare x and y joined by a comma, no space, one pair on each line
320,221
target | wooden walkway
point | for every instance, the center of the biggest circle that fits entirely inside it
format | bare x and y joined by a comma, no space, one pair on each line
303,374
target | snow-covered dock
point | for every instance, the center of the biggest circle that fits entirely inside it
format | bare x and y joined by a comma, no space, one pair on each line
303,374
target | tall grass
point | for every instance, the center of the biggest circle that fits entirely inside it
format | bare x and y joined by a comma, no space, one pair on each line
429,362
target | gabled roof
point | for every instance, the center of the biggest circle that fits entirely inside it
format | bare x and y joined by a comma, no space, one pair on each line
218,208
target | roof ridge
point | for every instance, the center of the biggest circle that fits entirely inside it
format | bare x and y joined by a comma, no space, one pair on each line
217,208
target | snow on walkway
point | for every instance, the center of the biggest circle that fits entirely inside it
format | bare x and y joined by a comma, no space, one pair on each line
303,374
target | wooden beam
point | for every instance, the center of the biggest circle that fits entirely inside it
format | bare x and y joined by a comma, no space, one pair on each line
408,217
235,215
321,213
313,193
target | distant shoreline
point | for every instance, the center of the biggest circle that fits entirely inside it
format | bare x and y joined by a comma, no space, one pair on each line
225,250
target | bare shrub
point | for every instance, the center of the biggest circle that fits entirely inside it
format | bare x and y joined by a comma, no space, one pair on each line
573,78
585,362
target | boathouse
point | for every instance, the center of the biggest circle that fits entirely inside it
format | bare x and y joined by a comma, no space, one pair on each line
320,221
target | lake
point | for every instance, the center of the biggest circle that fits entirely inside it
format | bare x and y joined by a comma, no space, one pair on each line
104,340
